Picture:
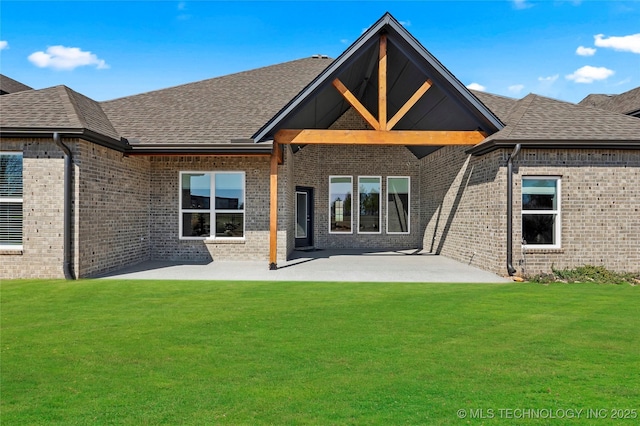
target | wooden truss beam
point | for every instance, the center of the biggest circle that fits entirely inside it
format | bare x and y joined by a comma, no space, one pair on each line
378,137
381,123
273,208
355,103
382,83
407,105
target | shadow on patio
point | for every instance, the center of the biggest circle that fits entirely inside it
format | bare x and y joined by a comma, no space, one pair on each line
320,265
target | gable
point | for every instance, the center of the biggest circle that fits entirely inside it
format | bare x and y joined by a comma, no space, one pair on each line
446,105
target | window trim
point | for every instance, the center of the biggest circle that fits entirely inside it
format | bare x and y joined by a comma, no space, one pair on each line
408,206
379,206
329,207
557,212
295,214
7,200
212,206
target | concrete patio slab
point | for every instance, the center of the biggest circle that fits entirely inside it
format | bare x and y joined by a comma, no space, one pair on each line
321,265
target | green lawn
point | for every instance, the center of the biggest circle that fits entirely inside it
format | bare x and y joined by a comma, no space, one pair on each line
166,352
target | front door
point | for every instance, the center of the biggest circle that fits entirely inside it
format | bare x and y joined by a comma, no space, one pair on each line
304,216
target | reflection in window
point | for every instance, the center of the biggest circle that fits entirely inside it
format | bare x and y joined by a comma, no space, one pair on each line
397,205
340,190
196,212
11,200
369,205
541,211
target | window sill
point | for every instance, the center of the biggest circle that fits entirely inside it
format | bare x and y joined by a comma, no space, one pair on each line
11,252
225,241
542,250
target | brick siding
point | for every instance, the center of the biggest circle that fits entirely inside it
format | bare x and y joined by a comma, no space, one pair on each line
112,203
464,208
600,209
43,205
165,242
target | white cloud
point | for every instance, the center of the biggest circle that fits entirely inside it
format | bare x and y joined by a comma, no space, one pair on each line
521,4
589,74
630,43
622,82
549,79
66,58
344,41
182,7
516,88
405,23
4,44
476,86
585,51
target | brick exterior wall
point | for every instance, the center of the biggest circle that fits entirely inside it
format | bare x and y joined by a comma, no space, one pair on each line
313,165
110,203
165,242
600,209
126,208
112,209
464,208
43,203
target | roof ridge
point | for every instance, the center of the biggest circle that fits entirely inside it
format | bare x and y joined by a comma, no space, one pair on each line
518,112
74,113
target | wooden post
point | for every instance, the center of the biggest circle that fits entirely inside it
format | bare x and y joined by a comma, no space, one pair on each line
273,209
382,83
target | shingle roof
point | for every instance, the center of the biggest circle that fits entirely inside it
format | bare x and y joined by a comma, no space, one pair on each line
539,119
9,85
624,103
215,110
501,106
54,108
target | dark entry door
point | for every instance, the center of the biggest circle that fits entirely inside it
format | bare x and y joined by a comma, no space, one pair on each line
304,216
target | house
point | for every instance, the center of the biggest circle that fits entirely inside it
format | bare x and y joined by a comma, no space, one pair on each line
381,148
627,103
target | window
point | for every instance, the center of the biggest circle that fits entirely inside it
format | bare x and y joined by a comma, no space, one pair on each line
340,190
197,213
398,205
369,204
541,212
11,201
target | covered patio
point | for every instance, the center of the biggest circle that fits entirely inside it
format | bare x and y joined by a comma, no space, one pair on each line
321,265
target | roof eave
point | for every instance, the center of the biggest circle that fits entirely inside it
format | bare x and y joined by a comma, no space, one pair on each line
235,149
490,146
120,145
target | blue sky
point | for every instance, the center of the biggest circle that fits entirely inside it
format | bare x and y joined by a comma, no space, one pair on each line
110,49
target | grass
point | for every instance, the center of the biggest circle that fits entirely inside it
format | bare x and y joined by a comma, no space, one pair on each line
167,352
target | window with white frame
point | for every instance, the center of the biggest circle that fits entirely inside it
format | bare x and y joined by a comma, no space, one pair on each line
11,200
197,211
541,211
398,196
340,200
369,189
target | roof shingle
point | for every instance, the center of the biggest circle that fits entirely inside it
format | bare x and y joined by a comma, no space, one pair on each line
54,108
9,85
538,118
624,103
215,110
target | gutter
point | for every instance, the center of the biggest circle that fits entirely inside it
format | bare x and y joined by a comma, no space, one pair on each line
89,135
68,188
231,149
510,269
492,145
